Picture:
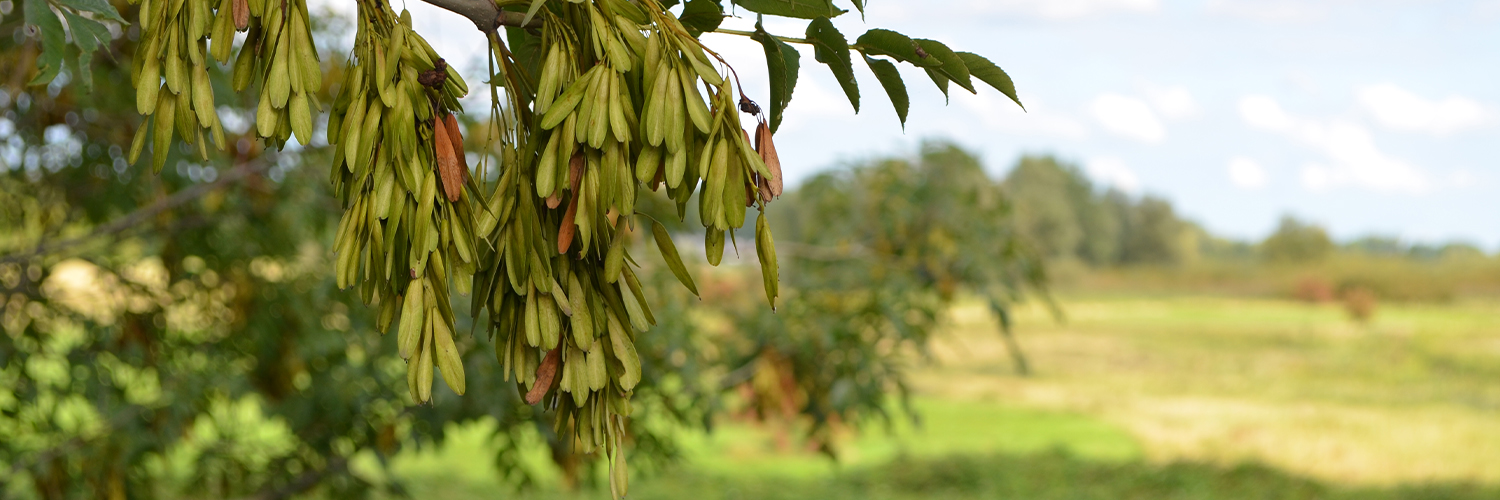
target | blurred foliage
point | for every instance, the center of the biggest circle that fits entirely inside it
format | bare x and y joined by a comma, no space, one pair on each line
181,336
194,344
1060,211
1103,240
1296,241
873,256
1047,476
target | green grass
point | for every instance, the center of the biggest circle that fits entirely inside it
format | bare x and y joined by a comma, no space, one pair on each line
1037,476
1159,397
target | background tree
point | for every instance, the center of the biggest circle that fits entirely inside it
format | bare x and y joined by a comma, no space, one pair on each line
1296,241
875,257
154,341
1060,211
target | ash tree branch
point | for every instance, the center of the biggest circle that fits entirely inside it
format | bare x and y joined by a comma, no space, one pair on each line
485,15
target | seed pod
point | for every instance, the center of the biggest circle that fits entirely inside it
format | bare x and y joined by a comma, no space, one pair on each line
412,319
447,163
624,350
569,222
767,149
448,360
582,319
241,10
765,250
544,375
456,135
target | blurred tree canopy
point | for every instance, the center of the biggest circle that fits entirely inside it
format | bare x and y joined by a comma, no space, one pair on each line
181,335
1296,241
874,255
1066,216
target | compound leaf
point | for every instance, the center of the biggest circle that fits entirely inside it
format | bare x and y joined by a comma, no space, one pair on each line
830,48
890,78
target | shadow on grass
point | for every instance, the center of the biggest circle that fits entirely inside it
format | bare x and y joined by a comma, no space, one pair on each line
1053,475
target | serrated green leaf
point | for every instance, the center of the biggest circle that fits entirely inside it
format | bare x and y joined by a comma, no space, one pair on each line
100,7
953,67
701,16
890,78
782,65
88,35
991,74
883,42
938,79
802,9
85,75
830,48
670,255
50,61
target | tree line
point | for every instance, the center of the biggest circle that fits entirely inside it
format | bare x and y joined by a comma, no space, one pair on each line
1065,215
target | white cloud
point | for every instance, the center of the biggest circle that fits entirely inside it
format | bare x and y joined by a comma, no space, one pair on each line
1270,11
1129,117
1174,103
1398,109
1352,156
1264,113
1062,9
1114,172
1246,173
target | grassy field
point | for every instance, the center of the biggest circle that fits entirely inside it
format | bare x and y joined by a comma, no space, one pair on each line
1165,397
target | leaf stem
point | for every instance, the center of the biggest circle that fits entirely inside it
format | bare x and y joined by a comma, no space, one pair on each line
752,33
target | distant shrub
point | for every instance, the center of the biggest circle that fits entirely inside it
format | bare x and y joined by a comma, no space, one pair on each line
1314,289
1359,302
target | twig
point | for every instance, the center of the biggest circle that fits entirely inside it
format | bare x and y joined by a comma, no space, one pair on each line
786,39
144,213
485,14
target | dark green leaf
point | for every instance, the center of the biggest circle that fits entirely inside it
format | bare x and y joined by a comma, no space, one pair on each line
938,79
782,65
953,67
100,7
88,35
702,16
670,255
860,4
667,4
991,74
802,9
882,42
85,78
830,47
890,78
49,62
527,49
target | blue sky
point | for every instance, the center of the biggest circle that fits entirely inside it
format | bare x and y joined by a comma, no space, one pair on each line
1366,116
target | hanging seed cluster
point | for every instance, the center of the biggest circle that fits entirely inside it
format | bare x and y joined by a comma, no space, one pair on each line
624,100
617,97
170,69
407,229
